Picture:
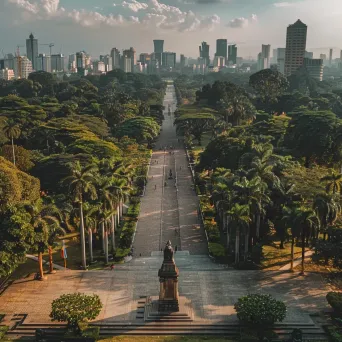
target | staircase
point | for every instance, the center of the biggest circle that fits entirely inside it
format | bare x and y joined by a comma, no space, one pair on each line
166,327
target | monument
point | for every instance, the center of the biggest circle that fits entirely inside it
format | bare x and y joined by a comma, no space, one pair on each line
168,279
169,306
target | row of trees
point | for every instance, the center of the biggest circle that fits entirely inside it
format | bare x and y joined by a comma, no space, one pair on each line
73,152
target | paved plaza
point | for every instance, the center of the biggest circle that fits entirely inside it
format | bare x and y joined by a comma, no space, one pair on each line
166,210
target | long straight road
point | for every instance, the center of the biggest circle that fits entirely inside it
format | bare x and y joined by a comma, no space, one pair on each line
168,211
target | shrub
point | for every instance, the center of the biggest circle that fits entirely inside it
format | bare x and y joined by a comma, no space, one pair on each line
335,301
3,331
133,210
260,312
216,250
212,231
75,307
121,253
126,235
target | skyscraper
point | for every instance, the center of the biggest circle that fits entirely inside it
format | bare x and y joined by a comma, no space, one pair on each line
57,63
158,50
295,47
132,55
32,50
330,56
115,54
232,54
43,63
204,52
221,48
266,53
169,60
281,59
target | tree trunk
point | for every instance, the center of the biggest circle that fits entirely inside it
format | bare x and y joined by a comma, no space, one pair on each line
13,151
90,244
228,235
103,237
292,252
121,208
113,233
40,265
118,214
106,248
257,230
83,249
51,270
246,244
303,252
237,246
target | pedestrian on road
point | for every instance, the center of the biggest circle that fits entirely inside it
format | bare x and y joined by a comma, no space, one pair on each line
180,168
176,248
112,267
155,186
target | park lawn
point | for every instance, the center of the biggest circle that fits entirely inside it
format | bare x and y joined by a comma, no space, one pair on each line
166,339
274,257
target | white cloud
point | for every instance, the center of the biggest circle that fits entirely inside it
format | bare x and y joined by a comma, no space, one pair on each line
283,4
153,14
134,5
242,22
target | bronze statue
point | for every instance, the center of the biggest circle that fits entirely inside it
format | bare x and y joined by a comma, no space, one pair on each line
168,252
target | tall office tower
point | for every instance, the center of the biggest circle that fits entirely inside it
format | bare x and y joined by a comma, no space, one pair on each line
43,63
308,54
144,58
330,56
57,63
222,48
32,50
204,52
26,67
107,60
158,50
232,54
262,62
169,60
72,63
115,55
266,53
9,61
281,59
274,58
184,61
295,47
131,54
80,60
314,68
127,63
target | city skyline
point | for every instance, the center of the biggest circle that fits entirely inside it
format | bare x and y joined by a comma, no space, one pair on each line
97,30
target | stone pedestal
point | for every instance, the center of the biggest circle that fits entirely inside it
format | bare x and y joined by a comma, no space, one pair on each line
168,279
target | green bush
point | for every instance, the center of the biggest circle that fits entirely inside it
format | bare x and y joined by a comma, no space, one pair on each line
133,210
335,301
3,331
74,308
212,231
260,312
126,235
87,331
121,253
334,334
216,250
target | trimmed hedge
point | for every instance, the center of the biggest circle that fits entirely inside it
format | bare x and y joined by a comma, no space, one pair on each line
127,233
335,301
212,230
216,250
133,211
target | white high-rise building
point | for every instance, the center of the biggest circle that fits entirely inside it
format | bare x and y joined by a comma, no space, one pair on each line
295,47
6,74
127,64
99,67
43,63
266,53
262,62
219,61
26,67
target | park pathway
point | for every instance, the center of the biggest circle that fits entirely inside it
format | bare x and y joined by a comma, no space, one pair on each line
169,207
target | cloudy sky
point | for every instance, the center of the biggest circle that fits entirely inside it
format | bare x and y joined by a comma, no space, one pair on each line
98,25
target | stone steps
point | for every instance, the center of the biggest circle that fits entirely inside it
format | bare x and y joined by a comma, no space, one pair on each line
310,331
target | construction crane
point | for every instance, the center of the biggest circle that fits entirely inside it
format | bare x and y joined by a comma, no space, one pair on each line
51,45
19,62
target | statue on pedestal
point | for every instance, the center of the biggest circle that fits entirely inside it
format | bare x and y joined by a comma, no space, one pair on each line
168,279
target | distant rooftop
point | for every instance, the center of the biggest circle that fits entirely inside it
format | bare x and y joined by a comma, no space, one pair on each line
298,23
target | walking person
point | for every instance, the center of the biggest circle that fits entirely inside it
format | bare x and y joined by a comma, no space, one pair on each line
155,186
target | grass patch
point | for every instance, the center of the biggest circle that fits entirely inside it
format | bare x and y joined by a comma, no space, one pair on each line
166,339
274,257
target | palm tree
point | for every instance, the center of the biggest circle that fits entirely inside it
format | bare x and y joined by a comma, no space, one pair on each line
105,219
239,218
288,218
327,208
90,223
12,131
305,223
46,224
238,107
333,182
82,181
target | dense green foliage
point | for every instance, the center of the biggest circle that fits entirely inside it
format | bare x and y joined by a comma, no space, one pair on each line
75,307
